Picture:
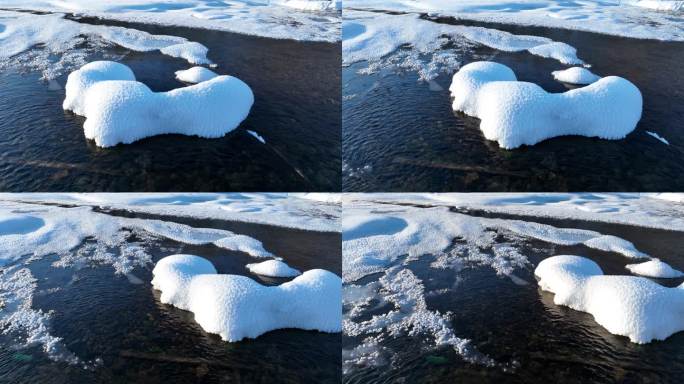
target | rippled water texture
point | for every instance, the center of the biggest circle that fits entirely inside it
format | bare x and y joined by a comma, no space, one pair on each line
140,340
297,110
400,134
531,339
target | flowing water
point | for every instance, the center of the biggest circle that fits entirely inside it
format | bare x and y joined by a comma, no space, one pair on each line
125,334
297,111
400,134
531,339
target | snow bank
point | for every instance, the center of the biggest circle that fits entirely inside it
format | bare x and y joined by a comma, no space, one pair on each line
654,268
516,113
311,212
576,75
64,229
630,306
609,17
65,43
119,111
195,75
316,20
237,307
383,41
273,268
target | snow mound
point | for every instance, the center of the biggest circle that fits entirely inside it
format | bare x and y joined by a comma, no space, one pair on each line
273,268
516,113
195,75
654,268
630,306
562,52
124,111
83,78
237,307
576,75
172,276
192,52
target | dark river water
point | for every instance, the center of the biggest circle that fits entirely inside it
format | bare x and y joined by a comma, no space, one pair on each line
532,339
140,340
296,109
400,134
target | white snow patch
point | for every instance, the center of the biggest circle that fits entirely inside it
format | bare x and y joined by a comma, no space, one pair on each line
516,113
273,268
195,75
630,306
237,307
124,111
576,75
654,268
658,137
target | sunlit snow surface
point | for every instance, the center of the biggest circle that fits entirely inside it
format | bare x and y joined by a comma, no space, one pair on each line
77,231
614,17
387,236
309,20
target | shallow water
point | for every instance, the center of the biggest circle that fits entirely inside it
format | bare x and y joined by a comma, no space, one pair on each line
400,134
297,110
531,339
139,340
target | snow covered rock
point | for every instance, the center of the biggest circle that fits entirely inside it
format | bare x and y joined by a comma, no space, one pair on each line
123,111
236,306
273,268
516,113
654,268
81,79
192,52
576,75
630,306
172,276
195,75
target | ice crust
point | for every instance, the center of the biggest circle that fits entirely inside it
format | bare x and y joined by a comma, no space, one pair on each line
237,307
273,268
576,75
515,113
124,110
630,306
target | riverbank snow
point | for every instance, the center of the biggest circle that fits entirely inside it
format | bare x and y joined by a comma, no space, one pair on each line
515,113
66,43
630,306
119,111
237,307
614,17
273,268
382,40
654,268
307,20
576,75
195,75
